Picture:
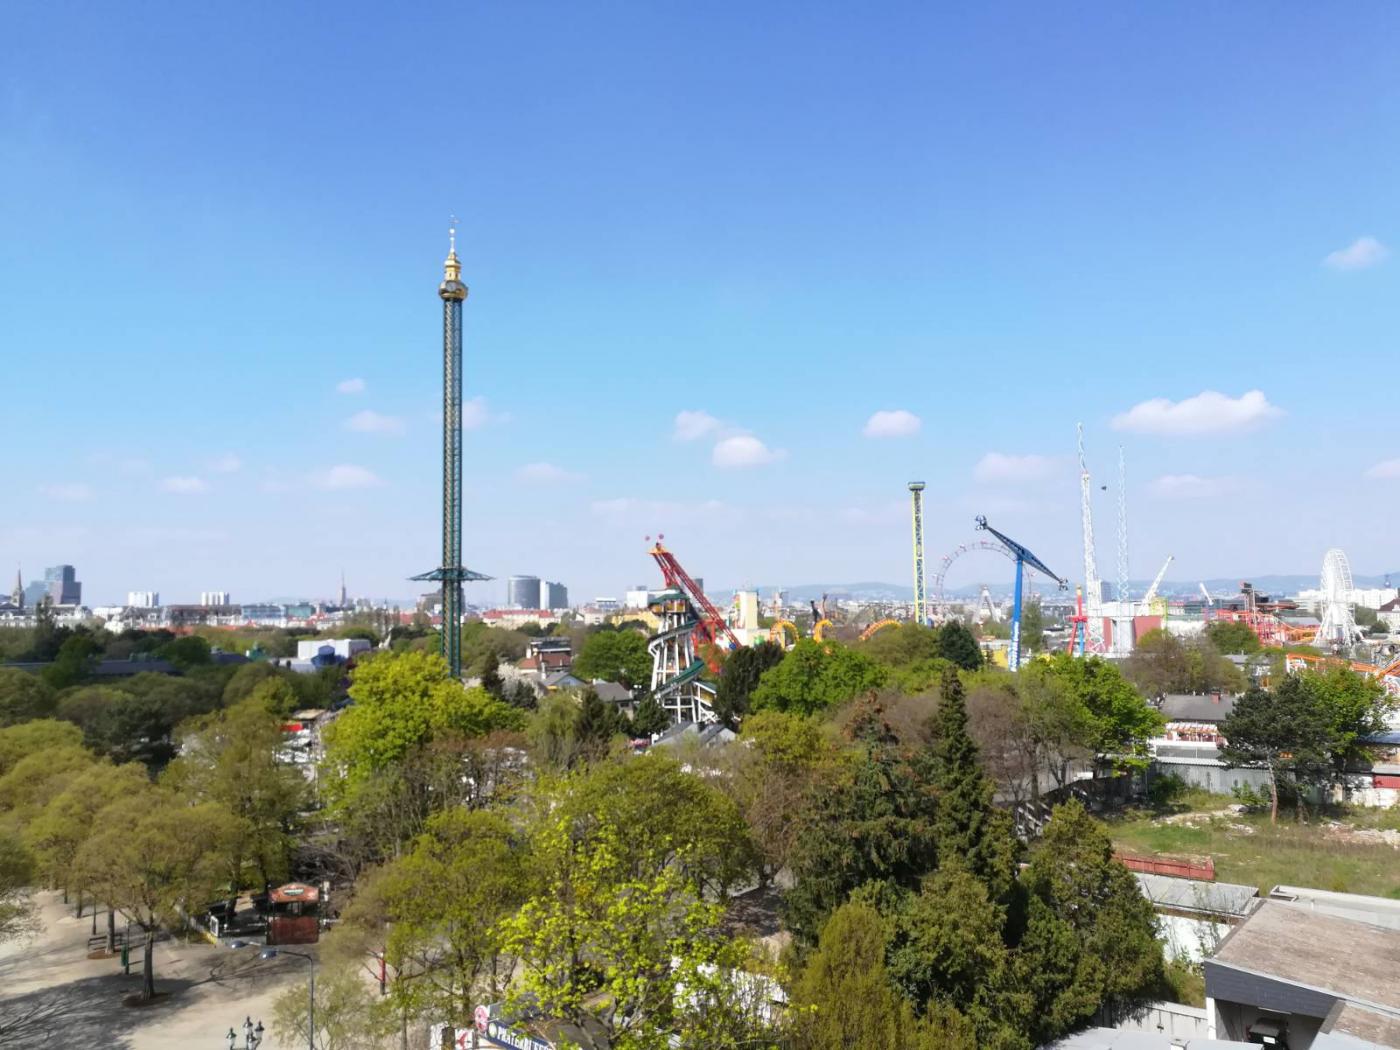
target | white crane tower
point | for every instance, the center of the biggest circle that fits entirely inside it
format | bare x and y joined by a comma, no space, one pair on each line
1093,589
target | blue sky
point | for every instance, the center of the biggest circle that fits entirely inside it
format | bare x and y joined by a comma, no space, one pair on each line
1000,219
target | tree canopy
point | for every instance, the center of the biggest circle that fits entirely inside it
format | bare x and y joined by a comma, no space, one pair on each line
814,676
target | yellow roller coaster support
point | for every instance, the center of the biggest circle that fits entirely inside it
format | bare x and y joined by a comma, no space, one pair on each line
877,626
778,633
819,628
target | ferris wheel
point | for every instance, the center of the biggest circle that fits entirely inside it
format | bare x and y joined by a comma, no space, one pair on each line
1338,629
936,592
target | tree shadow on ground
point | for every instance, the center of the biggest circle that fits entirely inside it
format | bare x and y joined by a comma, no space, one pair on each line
88,1012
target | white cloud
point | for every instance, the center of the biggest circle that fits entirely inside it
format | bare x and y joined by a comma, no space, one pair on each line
1209,412
476,414
1385,470
184,486
691,426
228,463
67,492
350,386
744,450
546,473
346,476
367,421
1189,486
997,467
1360,254
890,423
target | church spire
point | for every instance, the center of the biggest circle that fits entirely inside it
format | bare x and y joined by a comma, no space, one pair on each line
17,595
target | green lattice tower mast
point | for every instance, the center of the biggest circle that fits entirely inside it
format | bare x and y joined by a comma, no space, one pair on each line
452,573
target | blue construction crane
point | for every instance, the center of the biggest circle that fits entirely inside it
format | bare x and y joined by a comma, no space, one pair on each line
1023,558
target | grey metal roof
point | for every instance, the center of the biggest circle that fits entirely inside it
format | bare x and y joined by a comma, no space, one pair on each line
1124,1039
1197,707
1215,898
1352,1027
1376,911
1321,954
612,692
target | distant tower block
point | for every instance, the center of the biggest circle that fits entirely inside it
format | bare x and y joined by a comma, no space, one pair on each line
916,492
451,573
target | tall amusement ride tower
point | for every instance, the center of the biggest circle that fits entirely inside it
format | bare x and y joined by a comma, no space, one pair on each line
452,573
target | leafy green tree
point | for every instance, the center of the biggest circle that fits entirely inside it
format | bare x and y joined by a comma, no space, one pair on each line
616,936
969,830
154,856
552,731
1355,707
24,697
874,822
1287,731
1161,663
650,718
433,913
946,951
491,677
1033,626
28,738
347,1016
402,701
1229,636
248,677
596,725
1107,714
958,646
232,757
615,656
29,785
1073,873
740,677
188,652
814,676
73,661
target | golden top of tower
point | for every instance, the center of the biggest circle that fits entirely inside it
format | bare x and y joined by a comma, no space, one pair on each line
452,286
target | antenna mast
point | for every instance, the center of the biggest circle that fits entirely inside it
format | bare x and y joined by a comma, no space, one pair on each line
1094,628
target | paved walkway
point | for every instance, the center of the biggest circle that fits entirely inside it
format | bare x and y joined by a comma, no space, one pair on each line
52,995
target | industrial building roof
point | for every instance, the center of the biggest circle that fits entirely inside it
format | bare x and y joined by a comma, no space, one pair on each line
1215,898
1122,1039
1197,707
1350,960
1352,1027
1377,911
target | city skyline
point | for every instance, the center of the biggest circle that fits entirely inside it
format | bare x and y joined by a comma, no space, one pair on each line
742,309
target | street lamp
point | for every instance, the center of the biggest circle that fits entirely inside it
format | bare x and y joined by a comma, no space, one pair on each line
272,953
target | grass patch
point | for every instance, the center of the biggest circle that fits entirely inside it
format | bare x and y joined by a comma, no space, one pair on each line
1247,850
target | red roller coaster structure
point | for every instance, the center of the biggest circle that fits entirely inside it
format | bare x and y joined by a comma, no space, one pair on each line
709,623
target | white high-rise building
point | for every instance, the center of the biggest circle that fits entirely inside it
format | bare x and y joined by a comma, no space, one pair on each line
214,598
143,599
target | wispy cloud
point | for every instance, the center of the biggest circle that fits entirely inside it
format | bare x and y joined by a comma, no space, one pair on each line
892,422
744,450
367,421
1360,254
476,413
228,463
657,512
1001,468
67,492
346,476
1385,470
694,425
350,386
547,473
1190,486
184,485
1209,412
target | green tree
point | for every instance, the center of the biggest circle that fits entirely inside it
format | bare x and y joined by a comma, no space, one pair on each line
24,697
1161,663
969,830
1033,626
874,822
29,785
596,725
433,914
403,701
1355,707
814,676
740,677
650,718
188,652
154,856
1229,636
1287,731
73,662
958,646
28,738
1073,873
346,1014
615,656
233,757
1108,715
491,677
